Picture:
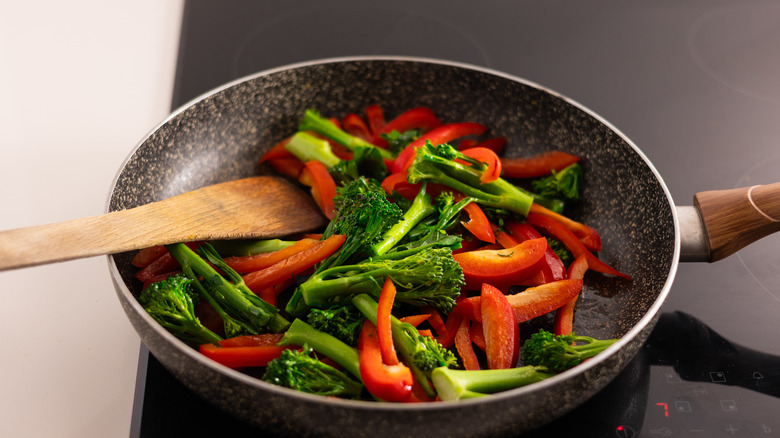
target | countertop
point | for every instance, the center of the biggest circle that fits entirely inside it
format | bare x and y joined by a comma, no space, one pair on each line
81,83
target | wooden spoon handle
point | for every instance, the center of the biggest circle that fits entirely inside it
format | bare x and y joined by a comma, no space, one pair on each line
736,218
257,207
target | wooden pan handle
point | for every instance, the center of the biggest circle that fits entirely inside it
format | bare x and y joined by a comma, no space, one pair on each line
736,218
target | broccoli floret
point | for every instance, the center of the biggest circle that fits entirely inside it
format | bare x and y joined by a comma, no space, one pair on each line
171,303
312,121
564,184
302,334
343,321
561,352
302,371
422,207
422,354
455,384
397,141
242,311
560,250
436,164
427,277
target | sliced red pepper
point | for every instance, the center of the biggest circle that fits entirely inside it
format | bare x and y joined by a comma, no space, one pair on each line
572,243
502,267
564,316
384,323
491,160
147,255
589,236
375,117
447,336
465,348
478,223
242,357
415,320
323,187
421,118
467,143
501,330
495,144
539,300
288,166
164,264
256,262
554,268
270,293
538,165
392,383
437,136
477,334
278,151
397,182
356,126
293,265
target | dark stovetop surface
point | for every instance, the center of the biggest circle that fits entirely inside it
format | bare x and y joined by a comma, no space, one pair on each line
695,85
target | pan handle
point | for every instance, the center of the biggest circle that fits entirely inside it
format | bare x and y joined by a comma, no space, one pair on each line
731,220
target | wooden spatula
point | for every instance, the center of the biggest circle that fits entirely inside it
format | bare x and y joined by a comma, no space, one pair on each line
256,207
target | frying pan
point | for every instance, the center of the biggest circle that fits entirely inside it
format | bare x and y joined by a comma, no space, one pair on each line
221,135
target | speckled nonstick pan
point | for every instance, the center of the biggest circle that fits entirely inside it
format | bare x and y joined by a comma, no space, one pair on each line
221,135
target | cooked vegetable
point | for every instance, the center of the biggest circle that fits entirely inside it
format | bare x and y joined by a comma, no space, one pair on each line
561,352
453,384
563,184
303,371
302,334
391,383
343,321
170,302
312,121
242,311
436,164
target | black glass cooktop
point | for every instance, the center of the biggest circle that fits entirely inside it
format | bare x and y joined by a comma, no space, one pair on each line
695,84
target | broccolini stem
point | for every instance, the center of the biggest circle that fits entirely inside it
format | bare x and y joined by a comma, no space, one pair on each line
308,147
459,384
312,121
300,333
421,207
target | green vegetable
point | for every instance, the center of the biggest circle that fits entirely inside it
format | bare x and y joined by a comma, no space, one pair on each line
436,164
312,121
171,303
453,384
560,250
366,161
397,141
427,277
564,184
227,248
343,321
241,310
421,207
561,352
422,354
302,371
310,148
302,334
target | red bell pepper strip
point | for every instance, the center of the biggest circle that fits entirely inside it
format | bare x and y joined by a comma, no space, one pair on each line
491,160
572,243
375,117
465,348
447,336
477,334
354,125
554,269
502,267
323,187
392,383
164,264
256,262
288,166
270,293
397,182
437,136
589,236
242,357
538,165
384,324
478,223
495,144
147,255
502,333
278,151
421,118
415,320
564,316
293,265
539,300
